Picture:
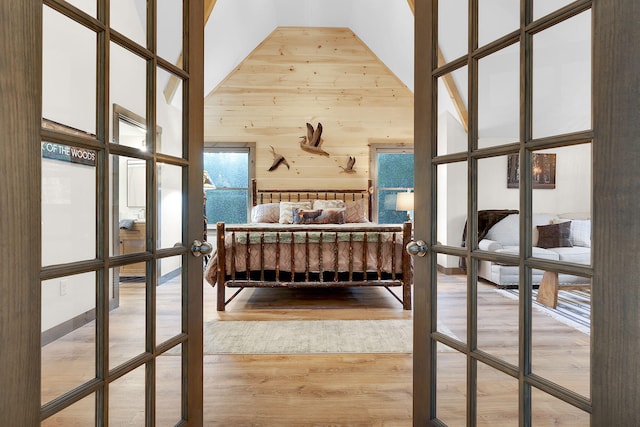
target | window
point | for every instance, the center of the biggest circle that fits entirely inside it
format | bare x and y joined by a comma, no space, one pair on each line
392,171
227,196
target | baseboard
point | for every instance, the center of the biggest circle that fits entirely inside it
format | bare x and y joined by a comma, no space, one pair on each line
170,275
58,331
52,334
450,270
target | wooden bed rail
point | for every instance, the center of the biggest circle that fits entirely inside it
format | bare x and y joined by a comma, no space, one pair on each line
325,249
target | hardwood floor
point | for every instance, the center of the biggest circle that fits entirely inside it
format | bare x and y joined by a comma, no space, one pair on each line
331,389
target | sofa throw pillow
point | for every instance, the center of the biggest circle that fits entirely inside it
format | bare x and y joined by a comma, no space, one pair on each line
267,212
286,210
328,204
356,211
580,231
554,235
318,216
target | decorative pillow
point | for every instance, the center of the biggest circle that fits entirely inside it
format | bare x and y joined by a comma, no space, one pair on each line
554,235
506,231
356,211
268,212
318,216
580,231
328,204
286,210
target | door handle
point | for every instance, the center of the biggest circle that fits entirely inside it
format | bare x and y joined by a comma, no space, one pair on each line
419,248
199,248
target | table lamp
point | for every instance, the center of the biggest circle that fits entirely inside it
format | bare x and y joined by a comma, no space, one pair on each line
404,202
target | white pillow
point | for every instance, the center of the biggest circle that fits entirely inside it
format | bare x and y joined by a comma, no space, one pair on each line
489,245
267,212
286,210
328,204
580,234
506,231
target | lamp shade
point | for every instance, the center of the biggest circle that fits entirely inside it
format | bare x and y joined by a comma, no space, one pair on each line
404,201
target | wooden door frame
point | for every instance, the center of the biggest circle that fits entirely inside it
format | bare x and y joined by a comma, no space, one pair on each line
20,251
616,197
616,189
424,280
194,124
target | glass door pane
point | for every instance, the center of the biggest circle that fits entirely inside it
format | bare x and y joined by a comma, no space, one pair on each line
562,77
68,74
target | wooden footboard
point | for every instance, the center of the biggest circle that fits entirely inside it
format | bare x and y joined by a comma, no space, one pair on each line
297,257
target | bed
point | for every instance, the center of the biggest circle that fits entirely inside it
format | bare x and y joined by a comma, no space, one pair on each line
310,238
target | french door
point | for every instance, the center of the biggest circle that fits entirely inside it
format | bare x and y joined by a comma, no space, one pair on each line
521,109
108,101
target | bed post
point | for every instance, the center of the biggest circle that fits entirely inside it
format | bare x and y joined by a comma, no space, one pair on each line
254,192
370,201
221,257
407,277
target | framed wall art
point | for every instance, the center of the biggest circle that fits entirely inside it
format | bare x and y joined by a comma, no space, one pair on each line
543,170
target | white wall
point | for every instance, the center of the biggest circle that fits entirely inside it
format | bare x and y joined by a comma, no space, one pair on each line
573,183
68,235
452,187
386,27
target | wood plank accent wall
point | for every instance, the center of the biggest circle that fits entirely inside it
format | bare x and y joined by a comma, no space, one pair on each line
299,75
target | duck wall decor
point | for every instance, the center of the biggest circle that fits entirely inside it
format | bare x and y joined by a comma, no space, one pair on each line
312,141
350,163
278,159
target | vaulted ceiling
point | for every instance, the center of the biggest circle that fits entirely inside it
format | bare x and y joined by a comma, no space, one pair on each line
235,28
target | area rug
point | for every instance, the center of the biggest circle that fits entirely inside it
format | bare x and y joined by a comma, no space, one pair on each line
573,309
308,336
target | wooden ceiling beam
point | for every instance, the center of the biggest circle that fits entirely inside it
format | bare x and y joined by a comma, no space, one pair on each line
174,82
412,5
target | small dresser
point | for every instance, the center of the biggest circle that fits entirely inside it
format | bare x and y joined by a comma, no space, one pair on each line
133,241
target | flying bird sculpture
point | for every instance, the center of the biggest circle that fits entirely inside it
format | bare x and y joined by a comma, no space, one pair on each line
278,159
350,163
312,141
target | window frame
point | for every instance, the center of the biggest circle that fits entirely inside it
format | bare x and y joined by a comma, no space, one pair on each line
234,147
379,148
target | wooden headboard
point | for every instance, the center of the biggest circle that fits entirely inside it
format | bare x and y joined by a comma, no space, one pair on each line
274,196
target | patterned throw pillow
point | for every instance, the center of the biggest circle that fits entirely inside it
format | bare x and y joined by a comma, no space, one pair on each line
318,216
554,235
268,212
580,231
328,204
286,210
356,211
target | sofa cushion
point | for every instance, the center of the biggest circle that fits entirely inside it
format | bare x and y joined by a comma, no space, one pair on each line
536,252
489,245
580,231
507,230
554,235
577,254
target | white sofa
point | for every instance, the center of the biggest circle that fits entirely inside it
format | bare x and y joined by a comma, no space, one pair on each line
503,237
